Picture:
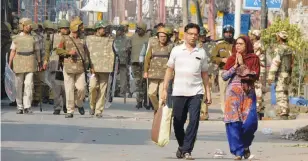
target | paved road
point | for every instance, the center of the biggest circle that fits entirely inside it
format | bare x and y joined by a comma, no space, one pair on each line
123,134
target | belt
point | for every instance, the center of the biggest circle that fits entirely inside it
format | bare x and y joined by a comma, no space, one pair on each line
25,53
160,56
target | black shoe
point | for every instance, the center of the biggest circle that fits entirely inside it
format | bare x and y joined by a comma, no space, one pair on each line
130,95
51,102
139,105
64,109
99,115
91,112
56,112
13,104
19,111
81,110
69,115
284,117
28,111
246,153
179,154
45,100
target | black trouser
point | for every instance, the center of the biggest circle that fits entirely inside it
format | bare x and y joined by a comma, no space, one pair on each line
183,105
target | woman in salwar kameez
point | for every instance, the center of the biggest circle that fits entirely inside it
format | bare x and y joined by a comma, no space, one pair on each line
242,70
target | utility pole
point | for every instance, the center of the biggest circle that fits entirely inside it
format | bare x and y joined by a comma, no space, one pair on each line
151,8
237,19
110,10
35,10
211,21
162,11
185,12
263,14
139,16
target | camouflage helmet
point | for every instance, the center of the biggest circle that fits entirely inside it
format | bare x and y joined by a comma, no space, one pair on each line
124,23
120,28
8,25
75,24
101,24
24,22
34,26
142,26
63,24
203,31
46,24
170,26
164,30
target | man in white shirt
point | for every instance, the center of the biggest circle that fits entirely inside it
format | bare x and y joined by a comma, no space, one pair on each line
189,63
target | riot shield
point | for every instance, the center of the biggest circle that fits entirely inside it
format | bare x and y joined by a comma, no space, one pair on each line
9,81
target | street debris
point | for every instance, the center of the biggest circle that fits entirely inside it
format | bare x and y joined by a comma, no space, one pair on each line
267,131
219,154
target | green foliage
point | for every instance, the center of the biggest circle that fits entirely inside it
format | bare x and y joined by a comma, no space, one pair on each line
296,41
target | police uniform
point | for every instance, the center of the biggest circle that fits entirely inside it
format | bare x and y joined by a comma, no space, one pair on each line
102,62
55,67
155,65
122,46
280,72
259,85
25,63
137,71
208,47
73,72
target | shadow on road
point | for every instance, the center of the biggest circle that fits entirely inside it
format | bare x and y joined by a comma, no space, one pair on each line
9,154
73,134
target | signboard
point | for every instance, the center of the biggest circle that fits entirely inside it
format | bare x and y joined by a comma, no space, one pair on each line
245,22
256,4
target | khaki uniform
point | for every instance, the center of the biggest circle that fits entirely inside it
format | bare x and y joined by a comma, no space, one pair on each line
122,46
155,65
103,61
73,72
222,50
25,63
280,72
208,47
259,85
58,89
137,71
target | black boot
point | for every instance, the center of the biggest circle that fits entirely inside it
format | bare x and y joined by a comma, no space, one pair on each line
56,112
139,105
99,115
19,111
28,111
260,116
81,110
64,109
13,104
51,102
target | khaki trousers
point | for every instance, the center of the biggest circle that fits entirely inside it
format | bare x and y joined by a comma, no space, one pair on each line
97,91
74,85
155,86
58,92
222,90
204,107
24,90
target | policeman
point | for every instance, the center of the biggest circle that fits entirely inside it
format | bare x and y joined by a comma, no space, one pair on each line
122,46
54,64
207,44
25,59
220,54
73,49
137,41
155,64
89,30
280,73
260,84
102,64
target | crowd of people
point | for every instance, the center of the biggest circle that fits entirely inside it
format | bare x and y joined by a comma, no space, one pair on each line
98,60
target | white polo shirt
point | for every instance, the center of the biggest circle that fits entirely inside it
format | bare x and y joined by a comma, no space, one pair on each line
188,67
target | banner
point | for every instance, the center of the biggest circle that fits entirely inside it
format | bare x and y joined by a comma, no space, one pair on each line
256,4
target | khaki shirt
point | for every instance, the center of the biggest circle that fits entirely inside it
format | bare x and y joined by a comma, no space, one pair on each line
222,50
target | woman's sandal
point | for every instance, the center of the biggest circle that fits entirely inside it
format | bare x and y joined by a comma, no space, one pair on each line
246,153
238,158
